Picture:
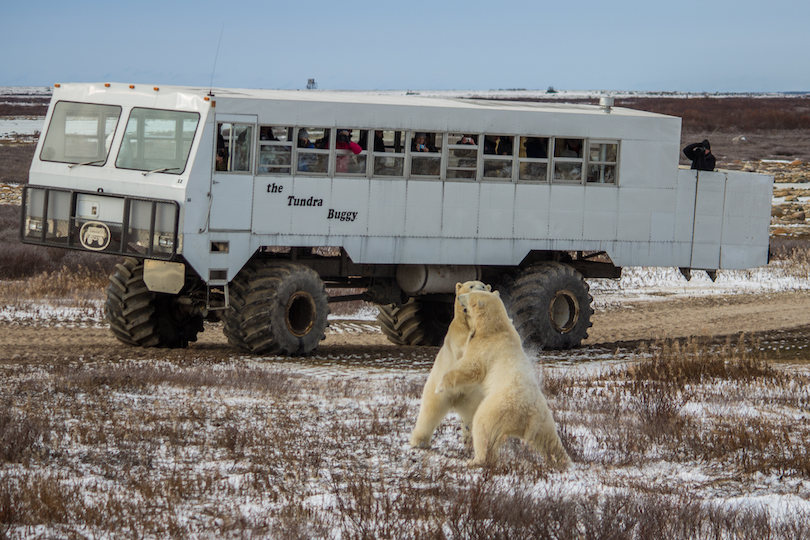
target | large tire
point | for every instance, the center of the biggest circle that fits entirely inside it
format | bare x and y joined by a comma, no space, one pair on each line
276,307
549,304
416,322
142,318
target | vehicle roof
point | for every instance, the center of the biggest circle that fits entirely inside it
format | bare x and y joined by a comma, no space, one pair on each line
353,97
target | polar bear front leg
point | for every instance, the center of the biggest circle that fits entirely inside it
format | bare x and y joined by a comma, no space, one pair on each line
432,410
465,374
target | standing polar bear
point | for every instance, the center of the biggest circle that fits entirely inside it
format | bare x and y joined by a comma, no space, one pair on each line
494,363
464,401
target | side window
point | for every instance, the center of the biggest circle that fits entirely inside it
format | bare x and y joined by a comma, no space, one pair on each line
498,157
602,158
426,154
533,159
275,150
389,152
234,145
312,148
462,155
351,152
568,160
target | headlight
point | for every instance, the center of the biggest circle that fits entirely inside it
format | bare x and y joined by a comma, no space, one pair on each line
166,241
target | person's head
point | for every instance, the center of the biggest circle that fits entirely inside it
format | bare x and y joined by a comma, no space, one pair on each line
378,133
706,146
419,138
303,135
344,135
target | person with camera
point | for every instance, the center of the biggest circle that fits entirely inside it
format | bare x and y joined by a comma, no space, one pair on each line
701,155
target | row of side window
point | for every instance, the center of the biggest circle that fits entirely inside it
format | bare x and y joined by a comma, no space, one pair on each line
286,150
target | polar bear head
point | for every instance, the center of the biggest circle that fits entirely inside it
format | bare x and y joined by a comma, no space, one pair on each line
466,287
485,312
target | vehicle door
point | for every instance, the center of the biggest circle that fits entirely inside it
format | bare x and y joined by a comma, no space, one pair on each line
232,179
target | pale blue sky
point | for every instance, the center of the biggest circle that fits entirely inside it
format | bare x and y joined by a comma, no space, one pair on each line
687,45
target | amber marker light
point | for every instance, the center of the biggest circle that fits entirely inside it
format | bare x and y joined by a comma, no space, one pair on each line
57,85
106,85
155,88
132,86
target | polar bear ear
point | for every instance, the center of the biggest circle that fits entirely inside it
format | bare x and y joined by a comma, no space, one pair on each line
488,287
458,286
496,293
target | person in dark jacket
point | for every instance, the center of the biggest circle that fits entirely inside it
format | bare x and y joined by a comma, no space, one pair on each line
701,155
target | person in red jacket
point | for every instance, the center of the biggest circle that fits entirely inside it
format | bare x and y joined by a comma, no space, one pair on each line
345,142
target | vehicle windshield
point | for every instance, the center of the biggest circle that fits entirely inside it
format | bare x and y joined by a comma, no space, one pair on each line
80,133
157,141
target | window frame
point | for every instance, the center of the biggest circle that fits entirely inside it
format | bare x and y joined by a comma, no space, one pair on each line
348,153
395,155
112,136
330,159
410,154
175,171
603,164
498,157
546,160
252,160
582,160
446,168
271,143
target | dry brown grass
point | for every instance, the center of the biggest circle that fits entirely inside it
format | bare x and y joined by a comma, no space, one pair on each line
189,447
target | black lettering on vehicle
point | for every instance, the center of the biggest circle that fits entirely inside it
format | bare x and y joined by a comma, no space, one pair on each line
295,201
341,215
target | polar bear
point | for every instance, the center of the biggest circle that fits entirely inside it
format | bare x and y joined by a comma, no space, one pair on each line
494,363
434,407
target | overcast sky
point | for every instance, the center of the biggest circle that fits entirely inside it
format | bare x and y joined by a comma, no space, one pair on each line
686,45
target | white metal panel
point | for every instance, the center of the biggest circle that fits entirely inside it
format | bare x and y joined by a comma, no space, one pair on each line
708,220
497,209
685,205
532,210
386,208
272,213
347,212
490,251
601,212
566,212
313,196
634,214
423,208
460,210
746,220
648,163
231,204
420,250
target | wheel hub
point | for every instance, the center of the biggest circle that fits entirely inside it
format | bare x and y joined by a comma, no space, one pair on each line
563,311
301,313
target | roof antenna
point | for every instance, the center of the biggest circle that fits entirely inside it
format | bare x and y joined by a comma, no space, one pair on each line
216,56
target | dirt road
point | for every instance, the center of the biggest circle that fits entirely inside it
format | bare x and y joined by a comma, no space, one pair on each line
781,321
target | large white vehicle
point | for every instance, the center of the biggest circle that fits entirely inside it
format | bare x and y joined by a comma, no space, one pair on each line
247,204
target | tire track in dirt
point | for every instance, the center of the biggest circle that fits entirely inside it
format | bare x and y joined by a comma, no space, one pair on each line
769,316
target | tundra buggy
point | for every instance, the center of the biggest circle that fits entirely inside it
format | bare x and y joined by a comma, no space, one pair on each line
246,205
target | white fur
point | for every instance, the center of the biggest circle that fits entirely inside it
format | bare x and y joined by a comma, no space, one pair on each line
494,363
434,407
